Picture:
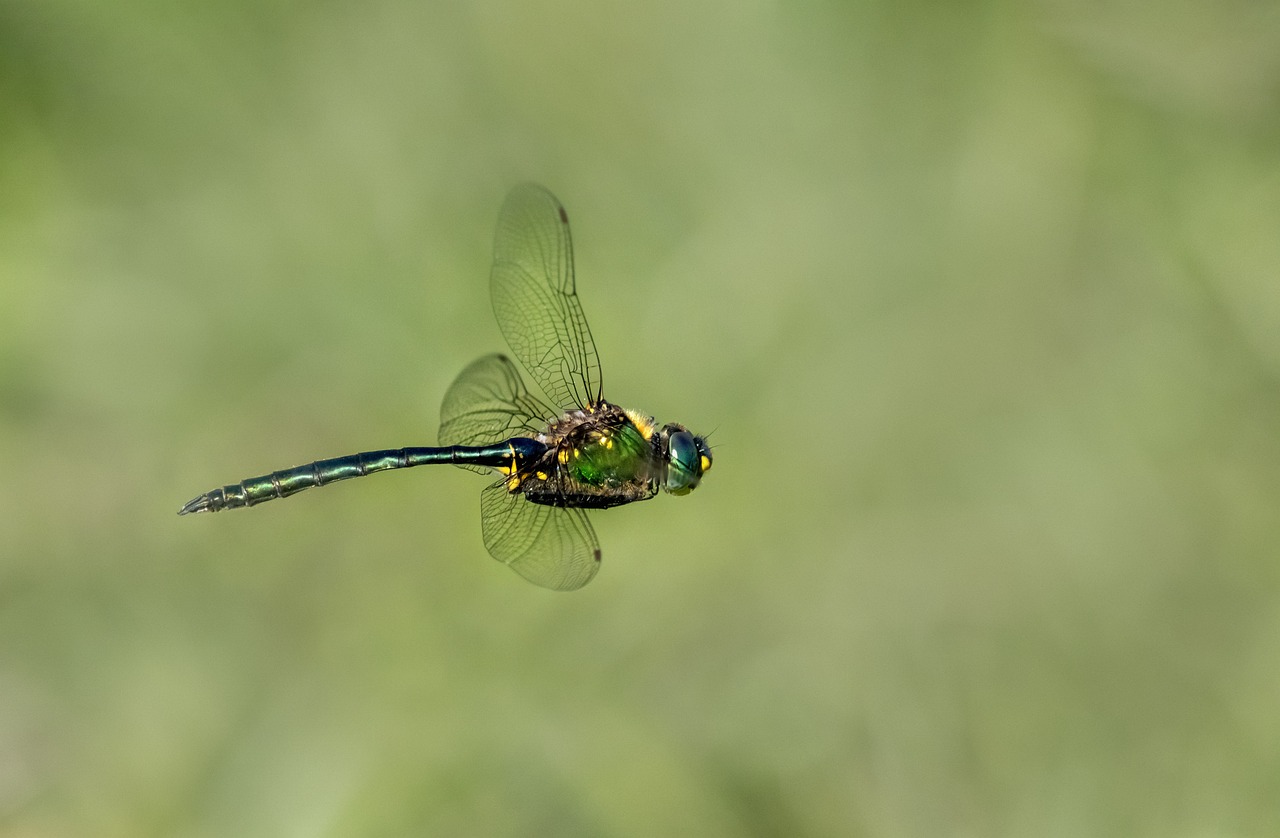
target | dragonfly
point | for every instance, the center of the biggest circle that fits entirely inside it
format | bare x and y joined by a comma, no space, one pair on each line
553,462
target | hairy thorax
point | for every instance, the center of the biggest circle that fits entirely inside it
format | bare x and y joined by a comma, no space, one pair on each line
596,458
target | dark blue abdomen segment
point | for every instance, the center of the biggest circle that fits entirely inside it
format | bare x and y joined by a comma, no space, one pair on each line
281,484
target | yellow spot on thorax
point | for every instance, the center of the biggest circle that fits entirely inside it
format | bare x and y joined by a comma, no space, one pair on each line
706,463
644,424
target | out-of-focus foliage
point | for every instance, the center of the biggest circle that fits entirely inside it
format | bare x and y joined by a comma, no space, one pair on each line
982,301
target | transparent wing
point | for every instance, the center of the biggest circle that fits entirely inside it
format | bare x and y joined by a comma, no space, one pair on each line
549,545
535,301
488,403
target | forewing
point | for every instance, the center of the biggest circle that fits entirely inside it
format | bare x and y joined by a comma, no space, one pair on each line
549,545
535,301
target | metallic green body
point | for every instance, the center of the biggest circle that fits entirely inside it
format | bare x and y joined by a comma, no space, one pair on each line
596,459
612,458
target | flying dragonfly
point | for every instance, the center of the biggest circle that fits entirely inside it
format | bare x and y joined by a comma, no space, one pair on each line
554,463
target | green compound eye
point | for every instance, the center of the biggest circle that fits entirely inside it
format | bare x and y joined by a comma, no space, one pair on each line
684,463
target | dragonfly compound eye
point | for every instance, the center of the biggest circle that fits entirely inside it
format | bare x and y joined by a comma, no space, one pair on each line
684,463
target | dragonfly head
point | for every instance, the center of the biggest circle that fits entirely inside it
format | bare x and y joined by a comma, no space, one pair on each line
687,458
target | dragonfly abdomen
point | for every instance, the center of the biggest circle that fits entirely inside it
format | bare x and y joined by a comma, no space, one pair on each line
281,484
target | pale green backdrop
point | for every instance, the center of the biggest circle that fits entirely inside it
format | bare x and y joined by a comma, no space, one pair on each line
982,301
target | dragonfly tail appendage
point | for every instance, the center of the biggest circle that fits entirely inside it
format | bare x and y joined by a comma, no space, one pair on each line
204,503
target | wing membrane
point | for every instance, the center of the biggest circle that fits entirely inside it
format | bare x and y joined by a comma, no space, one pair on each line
488,403
535,300
550,546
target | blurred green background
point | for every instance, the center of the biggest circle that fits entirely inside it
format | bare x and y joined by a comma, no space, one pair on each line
981,300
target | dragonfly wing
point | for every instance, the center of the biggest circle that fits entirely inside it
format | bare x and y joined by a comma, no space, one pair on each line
551,546
535,301
488,403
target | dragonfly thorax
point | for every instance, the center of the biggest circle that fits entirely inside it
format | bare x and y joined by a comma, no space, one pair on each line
606,456
595,458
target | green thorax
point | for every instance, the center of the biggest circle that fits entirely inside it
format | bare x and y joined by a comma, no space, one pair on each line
605,456
602,457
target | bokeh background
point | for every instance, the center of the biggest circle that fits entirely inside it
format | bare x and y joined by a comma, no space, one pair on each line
980,300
